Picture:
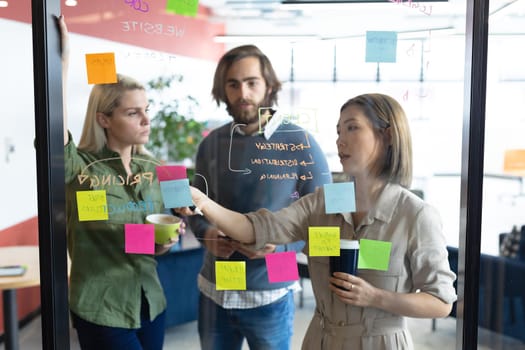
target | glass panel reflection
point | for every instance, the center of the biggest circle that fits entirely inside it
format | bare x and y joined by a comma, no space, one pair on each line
501,290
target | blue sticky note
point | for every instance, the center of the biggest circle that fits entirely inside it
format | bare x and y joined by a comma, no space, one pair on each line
339,197
381,46
176,193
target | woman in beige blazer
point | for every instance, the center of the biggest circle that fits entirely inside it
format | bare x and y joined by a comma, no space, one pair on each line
369,311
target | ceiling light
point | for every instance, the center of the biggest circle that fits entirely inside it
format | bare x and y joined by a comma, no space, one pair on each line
3,3
71,2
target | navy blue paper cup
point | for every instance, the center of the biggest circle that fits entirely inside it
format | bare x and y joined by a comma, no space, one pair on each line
347,260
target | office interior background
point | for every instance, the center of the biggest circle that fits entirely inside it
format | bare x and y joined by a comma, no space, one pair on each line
322,53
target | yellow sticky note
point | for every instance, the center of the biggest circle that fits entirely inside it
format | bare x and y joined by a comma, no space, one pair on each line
101,68
323,240
374,255
230,275
92,205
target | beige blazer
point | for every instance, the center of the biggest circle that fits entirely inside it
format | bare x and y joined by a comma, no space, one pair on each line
418,261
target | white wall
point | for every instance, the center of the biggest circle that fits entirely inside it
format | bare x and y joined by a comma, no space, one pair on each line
17,169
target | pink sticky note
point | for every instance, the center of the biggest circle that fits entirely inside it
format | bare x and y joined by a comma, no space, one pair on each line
282,267
171,172
140,238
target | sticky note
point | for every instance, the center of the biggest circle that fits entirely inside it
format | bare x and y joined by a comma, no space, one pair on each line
171,172
514,162
92,205
374,255
381,46
282,267
230,275
176,193
139,238
323,240
183,7
101,68
339,197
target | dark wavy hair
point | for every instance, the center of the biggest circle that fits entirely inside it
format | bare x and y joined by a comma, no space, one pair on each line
218,90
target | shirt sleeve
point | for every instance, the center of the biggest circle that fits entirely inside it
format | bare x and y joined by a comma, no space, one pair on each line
287,225
320,175
428,256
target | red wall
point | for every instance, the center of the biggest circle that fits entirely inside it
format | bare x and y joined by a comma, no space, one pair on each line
24,233
155,29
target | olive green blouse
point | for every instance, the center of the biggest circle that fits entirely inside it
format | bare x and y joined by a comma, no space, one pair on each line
106,283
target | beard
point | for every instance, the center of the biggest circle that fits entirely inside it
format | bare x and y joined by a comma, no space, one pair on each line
250,116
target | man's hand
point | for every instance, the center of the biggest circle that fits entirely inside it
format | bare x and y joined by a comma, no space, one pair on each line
251,253
217,243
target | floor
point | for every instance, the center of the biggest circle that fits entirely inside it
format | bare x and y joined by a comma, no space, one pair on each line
185,336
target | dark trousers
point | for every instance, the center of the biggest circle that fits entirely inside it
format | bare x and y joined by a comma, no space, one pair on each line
150,336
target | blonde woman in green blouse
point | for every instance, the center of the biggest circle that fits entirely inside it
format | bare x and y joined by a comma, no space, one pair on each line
116,299
369,311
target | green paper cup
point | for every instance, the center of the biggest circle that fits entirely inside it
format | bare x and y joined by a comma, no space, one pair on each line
166,226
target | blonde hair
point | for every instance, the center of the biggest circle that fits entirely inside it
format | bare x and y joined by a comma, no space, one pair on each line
385,112
105,98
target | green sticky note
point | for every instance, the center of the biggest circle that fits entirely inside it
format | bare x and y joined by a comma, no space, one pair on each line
374,255
92,205
323,240
183,7
230,275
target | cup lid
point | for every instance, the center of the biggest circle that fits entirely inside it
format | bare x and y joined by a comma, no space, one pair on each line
349,244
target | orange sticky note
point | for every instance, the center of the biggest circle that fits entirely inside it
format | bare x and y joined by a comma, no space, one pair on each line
101,68
514,162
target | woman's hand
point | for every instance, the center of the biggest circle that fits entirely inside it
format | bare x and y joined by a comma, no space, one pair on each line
198,199
64,39
64,47
182,228
359,292
163,248
353,290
